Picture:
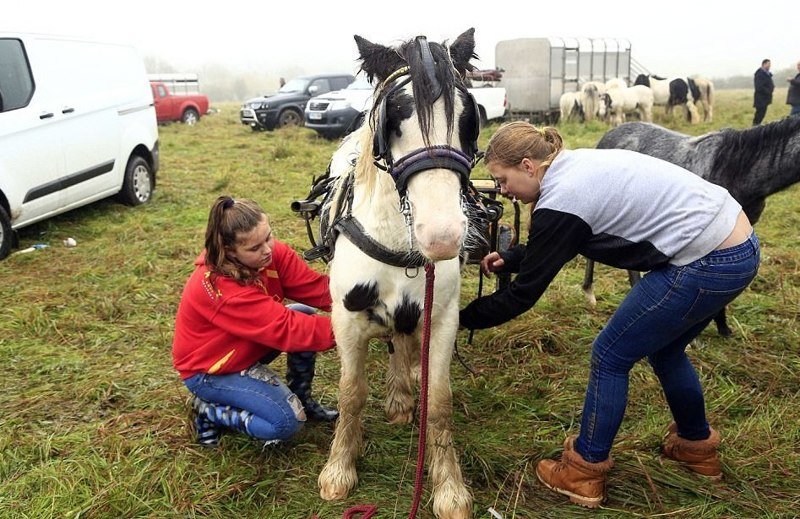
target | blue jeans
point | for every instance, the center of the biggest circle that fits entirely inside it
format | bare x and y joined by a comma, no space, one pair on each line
795,110
277,412
660,316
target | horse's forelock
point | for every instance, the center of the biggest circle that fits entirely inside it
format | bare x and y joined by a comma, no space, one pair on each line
423,89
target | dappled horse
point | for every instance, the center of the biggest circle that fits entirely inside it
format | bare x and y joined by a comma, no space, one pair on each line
751,164
397,203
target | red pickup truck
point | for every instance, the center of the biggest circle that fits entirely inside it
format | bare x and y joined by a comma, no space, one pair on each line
172,107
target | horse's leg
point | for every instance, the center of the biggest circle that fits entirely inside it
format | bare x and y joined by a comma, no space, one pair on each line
451,499
339,475
399,404
721,321
691,113
588,279
633,277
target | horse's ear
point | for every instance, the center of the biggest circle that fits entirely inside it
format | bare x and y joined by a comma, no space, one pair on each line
377,61
462,50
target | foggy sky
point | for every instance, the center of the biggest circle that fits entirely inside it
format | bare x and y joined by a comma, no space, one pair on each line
289,38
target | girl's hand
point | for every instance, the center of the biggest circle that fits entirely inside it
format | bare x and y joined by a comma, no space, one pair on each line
492,262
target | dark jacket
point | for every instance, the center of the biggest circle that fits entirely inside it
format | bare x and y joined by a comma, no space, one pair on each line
793,97
762,80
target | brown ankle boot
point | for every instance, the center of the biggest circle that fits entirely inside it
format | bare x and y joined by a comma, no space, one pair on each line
699,456
583,482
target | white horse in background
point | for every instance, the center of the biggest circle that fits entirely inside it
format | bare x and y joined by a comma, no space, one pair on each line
618,101
704,95
616,82
398,204
590,99
570,106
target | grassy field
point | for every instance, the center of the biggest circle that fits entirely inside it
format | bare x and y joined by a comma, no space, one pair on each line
94,420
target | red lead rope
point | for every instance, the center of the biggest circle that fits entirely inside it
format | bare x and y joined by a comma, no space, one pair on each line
423,392
369,510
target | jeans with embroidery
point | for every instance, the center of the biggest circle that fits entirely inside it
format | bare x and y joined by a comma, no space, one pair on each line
277,413
660,316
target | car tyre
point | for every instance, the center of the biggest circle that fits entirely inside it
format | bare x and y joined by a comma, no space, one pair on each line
6,234
190,117
290,117
139,182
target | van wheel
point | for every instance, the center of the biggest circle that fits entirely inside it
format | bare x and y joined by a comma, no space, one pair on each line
190,117
6,236
289,118
137,188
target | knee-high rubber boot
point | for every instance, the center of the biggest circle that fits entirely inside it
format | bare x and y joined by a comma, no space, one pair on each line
699,456
222,416
299,375
582,481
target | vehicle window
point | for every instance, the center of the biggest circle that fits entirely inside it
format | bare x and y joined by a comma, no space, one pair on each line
323,84
16,80
339,83
162,92
295,85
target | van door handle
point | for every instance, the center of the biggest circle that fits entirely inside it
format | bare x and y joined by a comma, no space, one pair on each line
45,115
67,110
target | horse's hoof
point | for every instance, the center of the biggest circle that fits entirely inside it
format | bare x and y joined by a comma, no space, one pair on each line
452,501
725,332
336,481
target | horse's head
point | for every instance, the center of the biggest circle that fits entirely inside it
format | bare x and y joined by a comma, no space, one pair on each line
425,127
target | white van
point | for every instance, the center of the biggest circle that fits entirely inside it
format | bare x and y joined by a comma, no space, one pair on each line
77,124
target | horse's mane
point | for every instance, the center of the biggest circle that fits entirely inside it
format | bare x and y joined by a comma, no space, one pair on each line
423,88
740,149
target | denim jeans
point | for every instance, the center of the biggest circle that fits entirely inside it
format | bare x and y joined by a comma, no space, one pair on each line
277,412
660,316
795,110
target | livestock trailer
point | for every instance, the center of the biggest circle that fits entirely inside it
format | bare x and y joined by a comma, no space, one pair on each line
178,84
536,71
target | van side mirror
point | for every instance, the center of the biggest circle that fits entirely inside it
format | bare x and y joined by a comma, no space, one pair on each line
313,89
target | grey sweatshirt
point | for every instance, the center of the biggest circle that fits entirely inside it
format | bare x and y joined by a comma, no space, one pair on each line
618,207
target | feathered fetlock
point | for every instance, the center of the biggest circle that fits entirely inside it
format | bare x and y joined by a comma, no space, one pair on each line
583,482
700,456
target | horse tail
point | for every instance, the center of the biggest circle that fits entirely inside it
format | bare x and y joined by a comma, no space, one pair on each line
710,92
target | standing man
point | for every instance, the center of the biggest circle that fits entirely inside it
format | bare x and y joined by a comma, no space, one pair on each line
793,97
762,80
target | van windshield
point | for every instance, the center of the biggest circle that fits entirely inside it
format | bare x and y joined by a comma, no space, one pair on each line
294,85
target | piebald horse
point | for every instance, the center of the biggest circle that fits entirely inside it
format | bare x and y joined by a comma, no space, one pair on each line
396,204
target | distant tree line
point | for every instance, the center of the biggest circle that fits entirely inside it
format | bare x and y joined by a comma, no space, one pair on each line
222,84
747,81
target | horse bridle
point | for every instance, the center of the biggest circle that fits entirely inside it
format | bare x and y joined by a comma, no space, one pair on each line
440,156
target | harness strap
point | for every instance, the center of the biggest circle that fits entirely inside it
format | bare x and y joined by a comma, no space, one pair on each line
430,66
355,232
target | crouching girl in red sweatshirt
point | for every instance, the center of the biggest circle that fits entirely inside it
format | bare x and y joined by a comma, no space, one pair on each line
232,322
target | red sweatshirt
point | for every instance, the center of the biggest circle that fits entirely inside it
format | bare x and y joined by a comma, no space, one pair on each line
225,327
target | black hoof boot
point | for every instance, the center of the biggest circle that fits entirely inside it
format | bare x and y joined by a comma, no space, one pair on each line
299,375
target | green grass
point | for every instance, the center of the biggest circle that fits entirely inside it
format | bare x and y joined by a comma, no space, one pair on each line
93,418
